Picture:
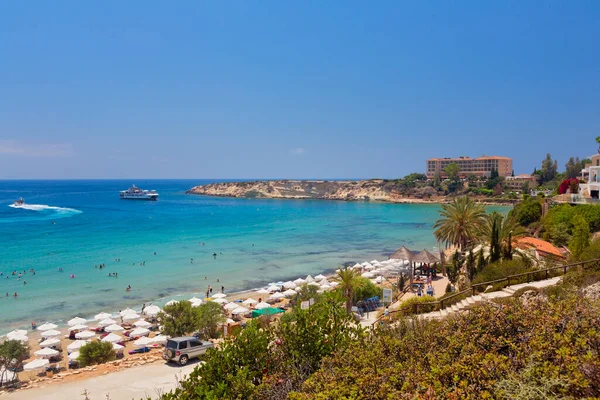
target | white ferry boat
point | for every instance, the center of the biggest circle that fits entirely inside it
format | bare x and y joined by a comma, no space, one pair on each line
135,193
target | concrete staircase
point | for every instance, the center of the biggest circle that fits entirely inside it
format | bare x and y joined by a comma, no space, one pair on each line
465,304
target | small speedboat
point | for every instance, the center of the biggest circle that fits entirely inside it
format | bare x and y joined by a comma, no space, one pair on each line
19,202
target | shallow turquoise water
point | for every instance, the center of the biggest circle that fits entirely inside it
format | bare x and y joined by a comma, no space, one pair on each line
257,241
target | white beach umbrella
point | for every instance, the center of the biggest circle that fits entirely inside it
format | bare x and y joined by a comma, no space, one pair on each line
112,338
171,302
85,335
240,310
231,306
262,305
78,328
370,267
152,310
365,264
374,262
325,287
249,301
76,321
220,301
290,293
101,316
36,364
46,352
324,282
195,300
299,281
74,356
126,311
142,324
76,345
22,339
357,266
196,304
262,291
114,328
273,288
333,284
277,295
7,376
309,279
219,296
319,277
107,322
16,333
47,326
139,332
50,342
229,321
159,339
117,347
131,317
379,279
289,285
313,284
143,342
298,288
368,275
50,333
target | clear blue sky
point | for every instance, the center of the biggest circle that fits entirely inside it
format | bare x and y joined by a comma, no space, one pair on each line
292,89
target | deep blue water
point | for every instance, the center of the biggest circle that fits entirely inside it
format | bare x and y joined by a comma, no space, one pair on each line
75,225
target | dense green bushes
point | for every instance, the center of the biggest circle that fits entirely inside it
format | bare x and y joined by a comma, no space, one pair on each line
365,289
408,306
181,319
501,269
528,211
558,223
550,348
268,361
96,352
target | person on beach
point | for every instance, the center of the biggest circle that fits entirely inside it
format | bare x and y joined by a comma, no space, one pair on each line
209,289
222,289
15,295
207,294
33,326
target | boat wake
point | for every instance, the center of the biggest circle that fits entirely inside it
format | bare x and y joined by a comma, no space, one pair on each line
57,211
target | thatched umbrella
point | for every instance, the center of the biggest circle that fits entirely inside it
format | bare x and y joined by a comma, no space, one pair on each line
402,254
426,257
405,254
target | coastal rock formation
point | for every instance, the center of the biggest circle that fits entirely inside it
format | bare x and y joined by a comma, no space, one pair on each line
374,189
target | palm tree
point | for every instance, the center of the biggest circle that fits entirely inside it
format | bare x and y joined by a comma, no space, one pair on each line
349,282
498,231
459,222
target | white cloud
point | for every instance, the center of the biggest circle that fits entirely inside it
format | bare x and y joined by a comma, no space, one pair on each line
31,149
298,151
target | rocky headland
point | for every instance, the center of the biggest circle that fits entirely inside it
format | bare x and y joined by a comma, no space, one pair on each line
395,191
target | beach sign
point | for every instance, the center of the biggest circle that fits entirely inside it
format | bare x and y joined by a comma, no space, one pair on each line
387,295
304,305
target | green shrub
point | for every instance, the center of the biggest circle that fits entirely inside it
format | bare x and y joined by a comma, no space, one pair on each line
528,211
12,354
408,305
366,289
96,352
501,269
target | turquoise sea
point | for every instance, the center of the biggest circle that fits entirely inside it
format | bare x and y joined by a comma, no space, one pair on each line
75,225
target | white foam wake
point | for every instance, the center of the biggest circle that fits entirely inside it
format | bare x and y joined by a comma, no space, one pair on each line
44,207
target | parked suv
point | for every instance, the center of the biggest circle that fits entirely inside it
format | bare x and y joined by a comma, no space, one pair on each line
181,349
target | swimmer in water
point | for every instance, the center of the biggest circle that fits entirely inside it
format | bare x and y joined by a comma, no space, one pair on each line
128,288
72,275
215,255
15,295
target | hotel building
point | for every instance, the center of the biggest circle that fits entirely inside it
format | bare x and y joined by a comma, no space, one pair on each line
481,166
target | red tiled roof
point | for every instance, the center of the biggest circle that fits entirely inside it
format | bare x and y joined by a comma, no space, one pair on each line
540,245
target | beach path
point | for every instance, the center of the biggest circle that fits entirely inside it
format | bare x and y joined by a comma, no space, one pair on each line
132,383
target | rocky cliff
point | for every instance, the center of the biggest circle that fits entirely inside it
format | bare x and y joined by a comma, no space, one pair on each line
374,189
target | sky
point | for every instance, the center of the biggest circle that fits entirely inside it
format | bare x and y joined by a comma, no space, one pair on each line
292,89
